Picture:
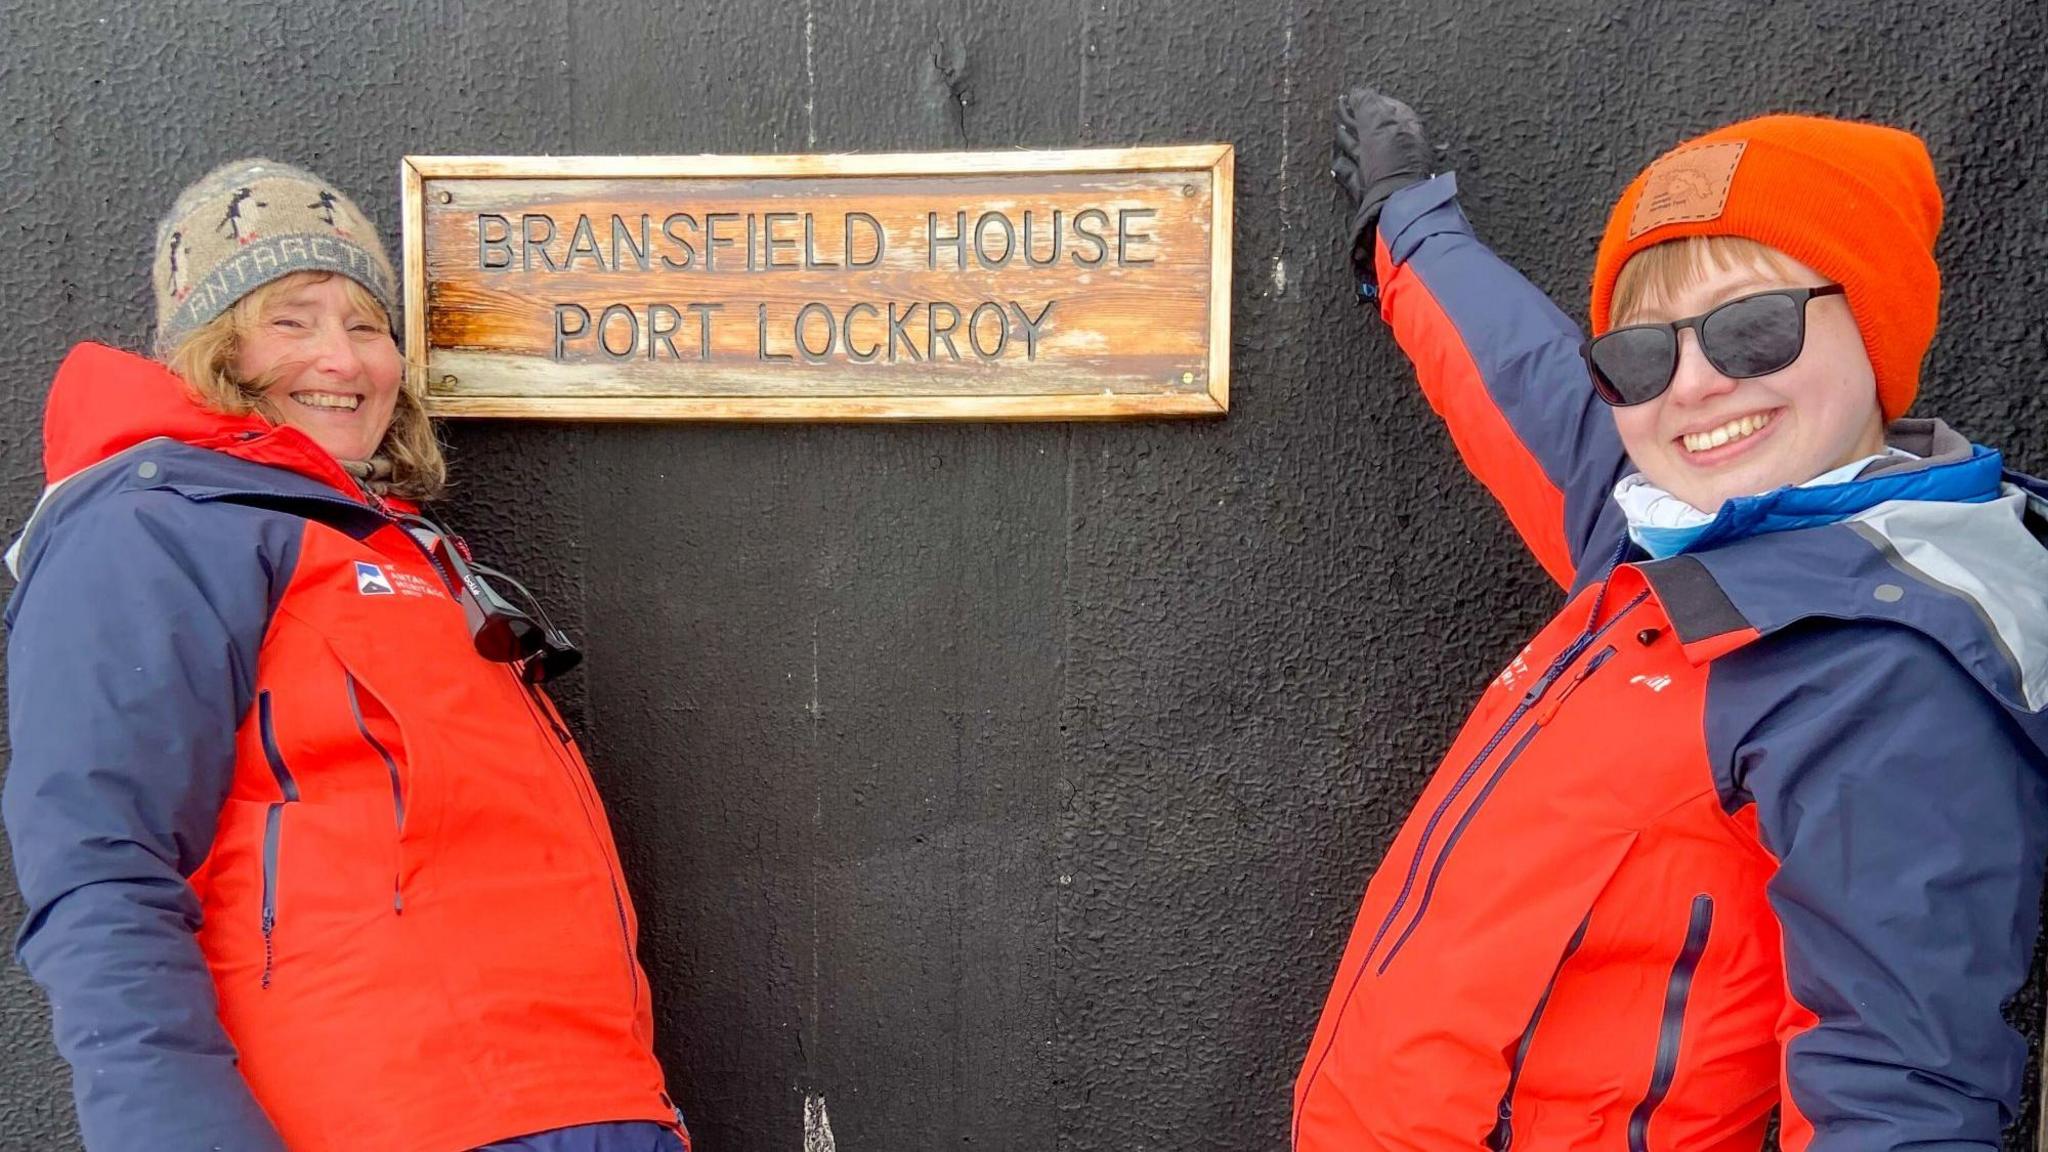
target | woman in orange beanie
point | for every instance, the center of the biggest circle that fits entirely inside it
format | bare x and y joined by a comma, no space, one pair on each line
1760,818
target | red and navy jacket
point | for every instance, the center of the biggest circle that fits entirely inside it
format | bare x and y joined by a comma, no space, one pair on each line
302,869
1758,825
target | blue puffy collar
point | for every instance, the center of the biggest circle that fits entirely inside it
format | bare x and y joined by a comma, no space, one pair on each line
1954,471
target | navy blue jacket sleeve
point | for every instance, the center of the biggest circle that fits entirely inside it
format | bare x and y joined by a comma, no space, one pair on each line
1907,811
131,659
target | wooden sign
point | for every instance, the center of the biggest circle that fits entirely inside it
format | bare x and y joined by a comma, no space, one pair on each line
1091,284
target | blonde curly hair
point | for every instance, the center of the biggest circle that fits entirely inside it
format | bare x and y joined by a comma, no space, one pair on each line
205,360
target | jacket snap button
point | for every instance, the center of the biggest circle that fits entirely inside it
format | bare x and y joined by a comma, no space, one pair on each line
146,470
1648,635
1889,593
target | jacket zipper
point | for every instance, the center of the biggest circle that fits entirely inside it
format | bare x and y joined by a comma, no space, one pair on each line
355,709
1529,700
1457,832
1676,993
586,797
273,827
1504,1129
618,898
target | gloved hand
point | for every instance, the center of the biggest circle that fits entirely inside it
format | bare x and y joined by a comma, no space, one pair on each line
1380,148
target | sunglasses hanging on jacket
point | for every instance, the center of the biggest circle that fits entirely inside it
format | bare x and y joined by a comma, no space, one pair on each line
502,630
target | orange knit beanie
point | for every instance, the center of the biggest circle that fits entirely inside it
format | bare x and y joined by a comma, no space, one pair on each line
1857,203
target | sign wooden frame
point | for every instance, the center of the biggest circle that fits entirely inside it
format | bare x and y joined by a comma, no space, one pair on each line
1209,396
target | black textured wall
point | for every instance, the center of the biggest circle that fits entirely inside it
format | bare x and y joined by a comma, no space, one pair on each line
1003,787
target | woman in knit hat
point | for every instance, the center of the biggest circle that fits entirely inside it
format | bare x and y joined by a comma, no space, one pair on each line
310,860
1759,819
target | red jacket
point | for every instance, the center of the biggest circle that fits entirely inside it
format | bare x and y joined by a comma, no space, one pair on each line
267,802
1761,825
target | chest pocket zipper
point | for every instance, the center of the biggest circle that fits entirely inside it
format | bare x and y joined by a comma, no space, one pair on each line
273,828
1549,710
1677,991
1479,801
1504,1129
1530,699
355,710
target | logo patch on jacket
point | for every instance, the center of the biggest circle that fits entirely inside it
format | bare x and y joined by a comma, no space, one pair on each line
391,580
371,581
1517,669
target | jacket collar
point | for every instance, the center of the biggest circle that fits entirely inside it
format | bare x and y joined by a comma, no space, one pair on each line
105,401
1965,570
1928,461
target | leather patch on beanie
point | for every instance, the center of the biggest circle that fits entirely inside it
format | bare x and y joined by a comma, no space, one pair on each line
1687,186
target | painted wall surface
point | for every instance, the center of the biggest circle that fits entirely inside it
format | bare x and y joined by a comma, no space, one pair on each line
1004,787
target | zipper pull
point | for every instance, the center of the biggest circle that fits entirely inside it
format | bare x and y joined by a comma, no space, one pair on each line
1541,686
1591,666
269,949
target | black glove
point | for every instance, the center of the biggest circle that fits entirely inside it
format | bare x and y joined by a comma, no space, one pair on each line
1380,148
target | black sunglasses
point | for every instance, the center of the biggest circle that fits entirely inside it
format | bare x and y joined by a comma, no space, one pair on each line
501,630
1748,336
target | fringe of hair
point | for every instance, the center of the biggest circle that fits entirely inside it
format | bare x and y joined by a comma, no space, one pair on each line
1659,274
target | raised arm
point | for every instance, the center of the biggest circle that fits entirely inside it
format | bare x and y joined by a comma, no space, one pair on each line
1496,359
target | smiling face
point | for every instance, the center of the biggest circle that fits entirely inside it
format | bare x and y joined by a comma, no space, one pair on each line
1709,438
323,355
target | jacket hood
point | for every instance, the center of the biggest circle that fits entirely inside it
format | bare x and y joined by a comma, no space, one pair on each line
105,401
